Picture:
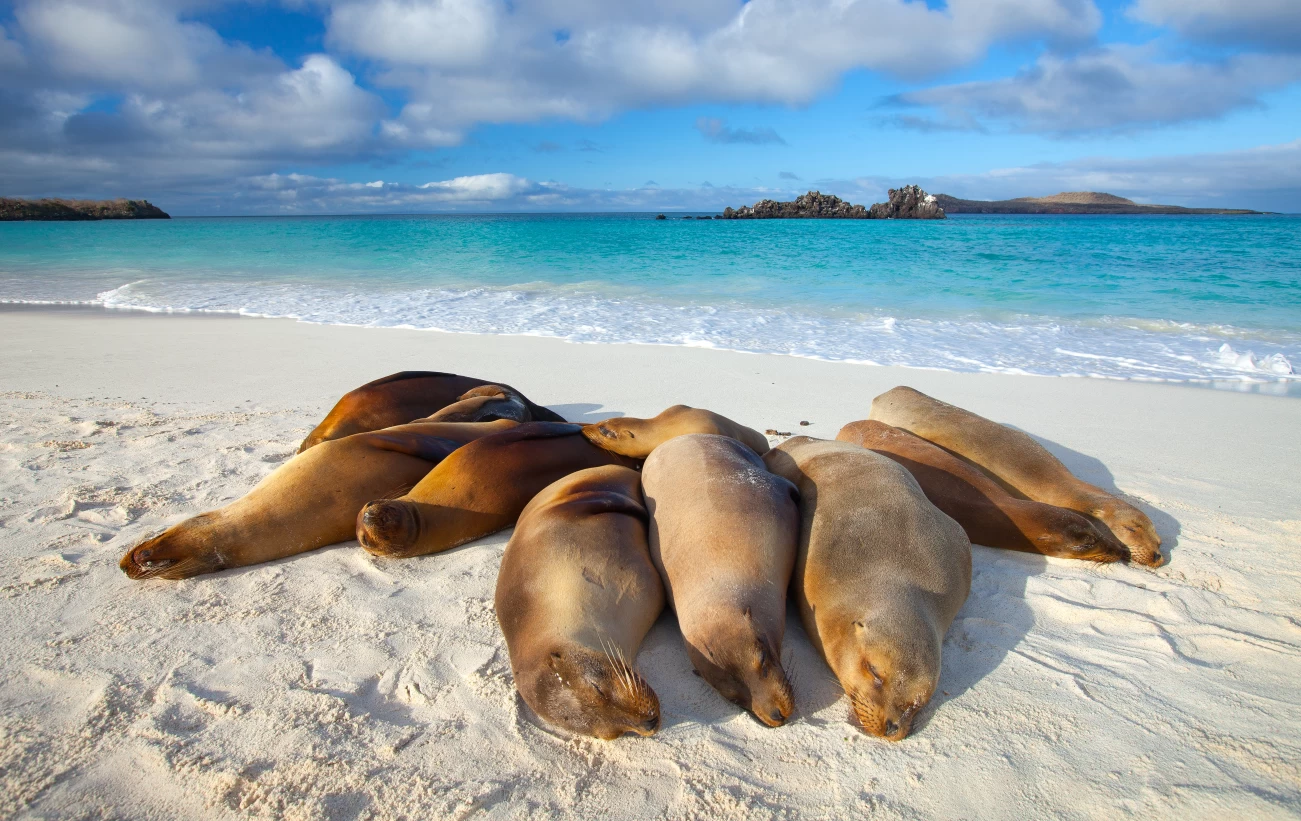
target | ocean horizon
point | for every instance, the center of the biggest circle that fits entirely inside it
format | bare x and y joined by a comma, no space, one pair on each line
1195,299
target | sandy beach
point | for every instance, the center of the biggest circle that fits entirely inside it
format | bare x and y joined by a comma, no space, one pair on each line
336,685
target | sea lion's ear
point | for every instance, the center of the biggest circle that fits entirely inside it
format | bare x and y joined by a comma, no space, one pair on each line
555,661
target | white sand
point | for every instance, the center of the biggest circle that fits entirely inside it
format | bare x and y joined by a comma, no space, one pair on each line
336,685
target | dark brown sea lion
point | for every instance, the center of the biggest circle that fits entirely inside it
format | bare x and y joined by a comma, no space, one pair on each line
723,535
576,595
401,398
1019,462
638,437
309,502
881,574
990,515
478,490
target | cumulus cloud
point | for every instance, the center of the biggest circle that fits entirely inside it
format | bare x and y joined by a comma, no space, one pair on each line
138,46
464,62
718,131
1266,23
1114,89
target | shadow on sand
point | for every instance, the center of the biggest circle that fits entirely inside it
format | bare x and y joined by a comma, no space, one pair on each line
584,413
1092,470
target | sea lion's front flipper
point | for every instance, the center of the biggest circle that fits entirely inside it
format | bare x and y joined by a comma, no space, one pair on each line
422,446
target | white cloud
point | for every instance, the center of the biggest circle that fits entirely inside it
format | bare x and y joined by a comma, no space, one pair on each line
1105,90
416,32
1269,23
142,45
465,62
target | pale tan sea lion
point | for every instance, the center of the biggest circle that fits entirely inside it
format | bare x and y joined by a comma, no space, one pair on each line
638,437
401,398
1019,462
310,501
478,490
989,514
880,575
723,535
576,595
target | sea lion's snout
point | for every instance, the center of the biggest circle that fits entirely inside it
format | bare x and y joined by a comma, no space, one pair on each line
172,554
140,563
388,527
648,727
775,718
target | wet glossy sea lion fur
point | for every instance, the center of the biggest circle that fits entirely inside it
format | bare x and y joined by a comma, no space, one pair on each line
478,490
309,502
724,532
1019,462
989,514
638,437
880,575
401,398
576,595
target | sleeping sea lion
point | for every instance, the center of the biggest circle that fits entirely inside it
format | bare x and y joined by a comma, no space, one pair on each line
310,501
880,575
638,437
990,515
1019,462
576,595
401,398
478,491
723,536
486,403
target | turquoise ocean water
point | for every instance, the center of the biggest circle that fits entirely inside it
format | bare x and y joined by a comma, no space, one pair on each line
1200,299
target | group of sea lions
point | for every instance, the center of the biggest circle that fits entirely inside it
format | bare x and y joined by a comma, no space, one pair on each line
870,534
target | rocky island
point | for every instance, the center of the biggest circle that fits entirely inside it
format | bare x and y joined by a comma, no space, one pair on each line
1071,202
65,210
909,202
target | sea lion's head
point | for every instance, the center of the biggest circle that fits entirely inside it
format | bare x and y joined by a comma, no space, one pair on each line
1075,537
1131,526
625,436
590,693
486,403
888,670
179,552
388,527
745,668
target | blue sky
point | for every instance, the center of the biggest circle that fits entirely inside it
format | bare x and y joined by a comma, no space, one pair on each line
353,106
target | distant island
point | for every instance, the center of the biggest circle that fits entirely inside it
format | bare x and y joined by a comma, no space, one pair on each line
909,202
1071,202
67,210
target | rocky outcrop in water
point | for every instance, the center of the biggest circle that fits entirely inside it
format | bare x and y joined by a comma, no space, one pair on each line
64,210
909,202
813,205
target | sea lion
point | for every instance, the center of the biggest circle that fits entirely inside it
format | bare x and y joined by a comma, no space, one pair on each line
486,403
1019,462
723,535
638,437
309,502
478,490
576,595
880,575
990,515
401,398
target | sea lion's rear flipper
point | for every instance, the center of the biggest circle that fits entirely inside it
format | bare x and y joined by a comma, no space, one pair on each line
422,446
